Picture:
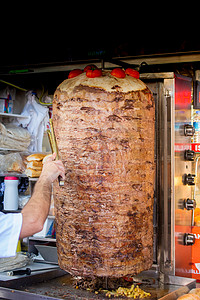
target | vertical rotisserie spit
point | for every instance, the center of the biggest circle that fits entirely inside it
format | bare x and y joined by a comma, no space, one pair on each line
104,128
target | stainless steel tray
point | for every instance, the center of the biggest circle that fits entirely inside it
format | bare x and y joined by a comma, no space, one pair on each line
160,287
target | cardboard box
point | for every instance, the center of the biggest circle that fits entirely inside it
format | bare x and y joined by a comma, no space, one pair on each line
6,106
47,228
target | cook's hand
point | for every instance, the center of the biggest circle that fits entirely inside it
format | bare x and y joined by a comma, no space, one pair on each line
53,168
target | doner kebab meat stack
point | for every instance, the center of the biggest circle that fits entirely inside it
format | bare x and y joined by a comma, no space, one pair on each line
104,128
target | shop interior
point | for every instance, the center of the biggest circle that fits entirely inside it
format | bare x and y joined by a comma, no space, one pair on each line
29,78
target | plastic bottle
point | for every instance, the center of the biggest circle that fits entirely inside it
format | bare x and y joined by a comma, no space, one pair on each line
11,193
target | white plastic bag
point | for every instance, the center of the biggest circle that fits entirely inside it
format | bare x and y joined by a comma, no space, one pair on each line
14,137
37,121
11,162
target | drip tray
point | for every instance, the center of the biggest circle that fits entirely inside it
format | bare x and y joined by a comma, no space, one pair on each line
64,287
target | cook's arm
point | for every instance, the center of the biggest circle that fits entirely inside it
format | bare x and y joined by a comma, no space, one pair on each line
36,210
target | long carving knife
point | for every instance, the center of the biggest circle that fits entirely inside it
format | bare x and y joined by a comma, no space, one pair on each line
27,271
54,146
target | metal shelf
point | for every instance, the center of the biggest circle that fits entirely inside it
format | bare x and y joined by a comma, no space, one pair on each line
41,239
5,174
13,115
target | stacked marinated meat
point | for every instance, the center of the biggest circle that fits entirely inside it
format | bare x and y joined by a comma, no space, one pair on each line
104,129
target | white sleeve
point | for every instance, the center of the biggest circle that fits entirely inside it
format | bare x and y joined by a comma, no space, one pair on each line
10,227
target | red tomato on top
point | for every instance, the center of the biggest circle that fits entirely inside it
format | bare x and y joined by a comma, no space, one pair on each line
117,72
93,73
90,67
74,73
132,73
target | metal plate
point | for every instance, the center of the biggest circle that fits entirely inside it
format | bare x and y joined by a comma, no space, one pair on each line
63,288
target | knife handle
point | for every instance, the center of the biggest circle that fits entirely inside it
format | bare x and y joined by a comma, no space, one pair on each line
19,272
61,182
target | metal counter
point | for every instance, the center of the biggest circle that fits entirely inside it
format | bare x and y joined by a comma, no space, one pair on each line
44,285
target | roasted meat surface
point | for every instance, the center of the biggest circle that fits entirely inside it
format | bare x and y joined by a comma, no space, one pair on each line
104,129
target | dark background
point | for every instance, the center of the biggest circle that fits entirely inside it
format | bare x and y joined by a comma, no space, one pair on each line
47,40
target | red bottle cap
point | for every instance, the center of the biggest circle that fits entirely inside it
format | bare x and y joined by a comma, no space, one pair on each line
11,178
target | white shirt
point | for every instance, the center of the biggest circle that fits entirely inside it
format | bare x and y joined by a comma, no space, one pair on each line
10,227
